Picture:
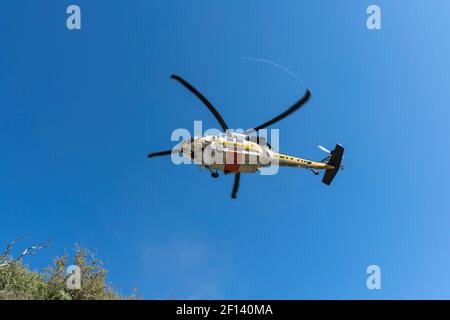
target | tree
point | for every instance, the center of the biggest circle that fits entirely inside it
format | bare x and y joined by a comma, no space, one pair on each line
18,282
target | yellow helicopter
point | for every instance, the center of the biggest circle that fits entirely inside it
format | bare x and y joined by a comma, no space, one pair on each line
248,152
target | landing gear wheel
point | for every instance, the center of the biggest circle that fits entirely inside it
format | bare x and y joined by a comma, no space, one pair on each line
215,175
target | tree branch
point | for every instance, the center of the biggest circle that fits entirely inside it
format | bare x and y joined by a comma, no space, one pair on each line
33,249
8,248
5,256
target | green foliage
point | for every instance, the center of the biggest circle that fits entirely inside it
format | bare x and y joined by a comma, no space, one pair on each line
17,282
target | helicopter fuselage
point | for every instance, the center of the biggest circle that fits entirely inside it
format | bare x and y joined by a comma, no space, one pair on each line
233,153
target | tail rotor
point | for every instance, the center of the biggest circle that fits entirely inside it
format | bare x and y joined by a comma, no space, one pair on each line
328,157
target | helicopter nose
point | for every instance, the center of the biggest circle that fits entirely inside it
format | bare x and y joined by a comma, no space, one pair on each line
185,146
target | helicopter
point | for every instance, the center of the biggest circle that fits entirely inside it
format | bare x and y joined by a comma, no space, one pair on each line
236,153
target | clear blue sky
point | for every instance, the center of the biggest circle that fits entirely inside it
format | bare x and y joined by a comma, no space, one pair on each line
79,110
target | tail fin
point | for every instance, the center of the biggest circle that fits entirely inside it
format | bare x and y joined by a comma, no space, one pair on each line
335,161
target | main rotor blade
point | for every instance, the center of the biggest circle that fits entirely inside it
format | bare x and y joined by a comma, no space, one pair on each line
237,178
205,101
283,115
160,153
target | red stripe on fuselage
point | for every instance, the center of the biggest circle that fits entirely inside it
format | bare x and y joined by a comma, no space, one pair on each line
231,163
